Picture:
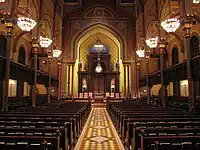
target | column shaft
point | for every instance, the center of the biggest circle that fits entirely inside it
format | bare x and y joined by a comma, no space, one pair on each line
147,80
7,70
191,97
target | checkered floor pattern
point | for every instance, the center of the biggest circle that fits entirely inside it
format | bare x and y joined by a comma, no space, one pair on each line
99,135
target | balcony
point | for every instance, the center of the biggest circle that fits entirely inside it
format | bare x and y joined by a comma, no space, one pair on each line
24,73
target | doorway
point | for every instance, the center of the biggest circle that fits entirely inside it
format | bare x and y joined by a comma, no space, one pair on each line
97,82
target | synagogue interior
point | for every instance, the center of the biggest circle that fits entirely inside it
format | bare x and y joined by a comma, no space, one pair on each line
100,75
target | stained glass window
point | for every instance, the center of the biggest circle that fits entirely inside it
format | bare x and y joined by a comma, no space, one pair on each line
98,48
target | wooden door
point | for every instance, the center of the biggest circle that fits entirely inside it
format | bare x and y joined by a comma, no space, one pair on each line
97,84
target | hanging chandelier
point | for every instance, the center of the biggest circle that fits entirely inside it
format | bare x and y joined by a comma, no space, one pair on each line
196,1
140,53
152,42
45,42
26,24
170,25
56,53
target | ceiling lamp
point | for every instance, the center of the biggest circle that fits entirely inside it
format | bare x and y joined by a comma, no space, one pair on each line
196,1
140,53
2,1
98,68
26,24
170,25
152,42
56,53
45,42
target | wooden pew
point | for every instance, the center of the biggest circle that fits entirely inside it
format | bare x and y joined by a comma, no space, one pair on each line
186,138
68,119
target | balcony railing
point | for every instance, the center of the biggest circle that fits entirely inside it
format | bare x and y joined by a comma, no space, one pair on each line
195,64
21,72
175,73
2,67
24,73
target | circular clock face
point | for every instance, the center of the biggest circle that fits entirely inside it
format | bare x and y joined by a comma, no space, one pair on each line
98,69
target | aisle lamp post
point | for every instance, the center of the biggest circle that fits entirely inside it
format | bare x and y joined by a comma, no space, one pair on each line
56,54
45,43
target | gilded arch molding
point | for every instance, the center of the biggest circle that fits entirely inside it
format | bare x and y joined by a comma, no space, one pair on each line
110,29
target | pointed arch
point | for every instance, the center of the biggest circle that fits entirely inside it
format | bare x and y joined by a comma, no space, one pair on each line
106,29
174,55
22,55
194,45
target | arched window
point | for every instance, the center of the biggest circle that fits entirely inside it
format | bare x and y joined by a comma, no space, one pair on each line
98,48
3,45
175,56
22,55
194,45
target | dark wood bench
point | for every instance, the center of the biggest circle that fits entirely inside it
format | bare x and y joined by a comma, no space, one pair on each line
185,138
68,119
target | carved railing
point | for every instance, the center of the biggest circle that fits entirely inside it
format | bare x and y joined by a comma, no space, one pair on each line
175,73
154,78
54,81
42,78
195,64
2,66
142,82
21,72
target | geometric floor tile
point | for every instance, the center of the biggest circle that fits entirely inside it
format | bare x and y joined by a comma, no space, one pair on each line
99,139
99,134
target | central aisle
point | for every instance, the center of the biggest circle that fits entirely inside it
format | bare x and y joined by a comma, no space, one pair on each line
99,133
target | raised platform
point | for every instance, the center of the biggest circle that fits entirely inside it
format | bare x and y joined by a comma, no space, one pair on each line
98,105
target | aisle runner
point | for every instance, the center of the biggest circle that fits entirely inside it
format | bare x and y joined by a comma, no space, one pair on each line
99,133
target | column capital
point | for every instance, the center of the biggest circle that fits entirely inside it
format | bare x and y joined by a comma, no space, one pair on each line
35,46
187,25
162,45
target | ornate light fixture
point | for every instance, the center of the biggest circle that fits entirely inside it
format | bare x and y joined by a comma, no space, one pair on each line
170,25
140,53
26,24
152,42
57,53
98,68
196,1
45,42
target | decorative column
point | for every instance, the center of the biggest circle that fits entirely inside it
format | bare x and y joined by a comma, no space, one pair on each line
35,50
117,78
187,29
49,77
147,75
59,63
132,76
9,26
124,80
162,47
138,76
128,80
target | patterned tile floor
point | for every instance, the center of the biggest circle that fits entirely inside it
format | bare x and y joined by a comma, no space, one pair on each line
99,134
